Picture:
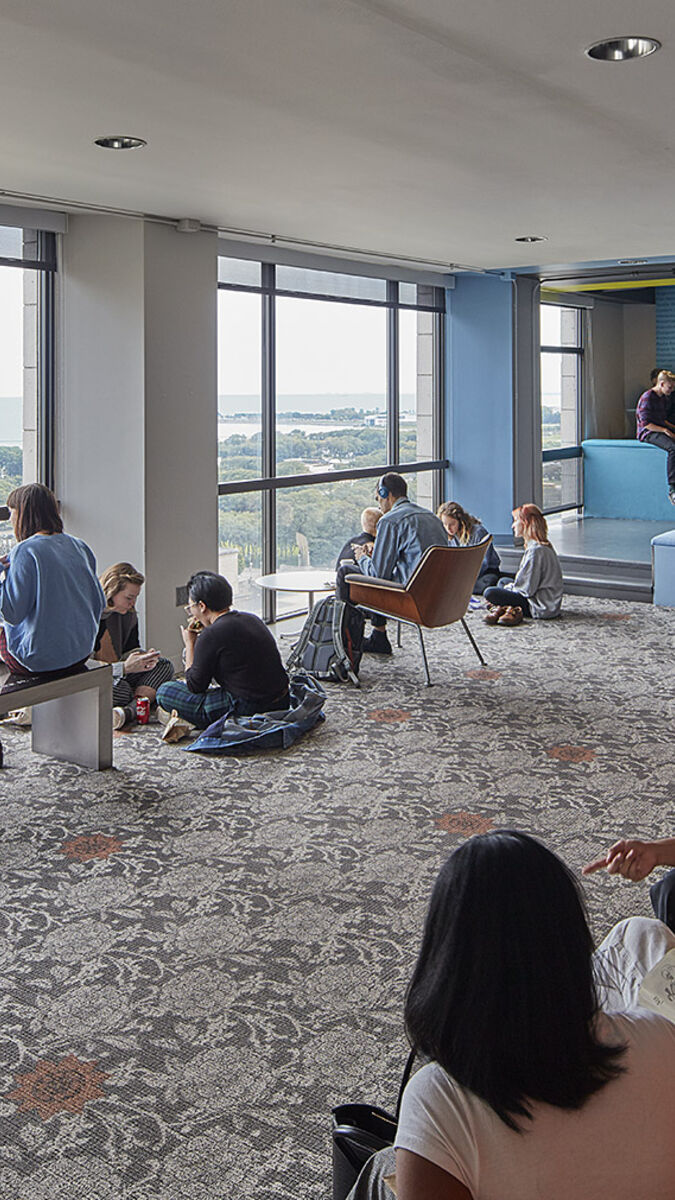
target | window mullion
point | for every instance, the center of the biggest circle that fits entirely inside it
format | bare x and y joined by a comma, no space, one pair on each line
268,423
392,374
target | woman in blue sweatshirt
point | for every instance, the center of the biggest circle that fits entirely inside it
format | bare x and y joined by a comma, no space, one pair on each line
50,599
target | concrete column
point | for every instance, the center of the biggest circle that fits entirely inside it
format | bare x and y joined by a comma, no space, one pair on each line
136,404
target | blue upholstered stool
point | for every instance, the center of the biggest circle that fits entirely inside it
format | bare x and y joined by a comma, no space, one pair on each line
625,479
663,568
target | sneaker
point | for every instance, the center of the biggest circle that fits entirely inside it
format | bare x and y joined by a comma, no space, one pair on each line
119,718
162,715
493,614
20,716
124,716
512,616
377,643
671,495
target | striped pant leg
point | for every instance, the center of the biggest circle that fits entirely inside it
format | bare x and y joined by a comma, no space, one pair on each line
199,708
123,692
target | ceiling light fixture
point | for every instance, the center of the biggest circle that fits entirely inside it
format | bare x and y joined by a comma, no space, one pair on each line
533,237
623,48
119,141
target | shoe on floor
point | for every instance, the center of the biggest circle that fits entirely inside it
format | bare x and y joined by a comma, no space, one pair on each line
162,715
20,716
377,643
493,614
671,495
512,616
124,716
119,717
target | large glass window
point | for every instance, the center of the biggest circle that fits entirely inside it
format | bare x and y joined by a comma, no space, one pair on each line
561,399
326,379
25,366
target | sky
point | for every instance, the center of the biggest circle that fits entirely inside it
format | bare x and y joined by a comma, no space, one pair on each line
322,347
11,331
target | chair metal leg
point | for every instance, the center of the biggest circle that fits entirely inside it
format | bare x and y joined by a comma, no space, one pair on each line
471,639
424,656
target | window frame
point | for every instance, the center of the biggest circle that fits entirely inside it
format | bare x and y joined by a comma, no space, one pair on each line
45,264
561,453
269,483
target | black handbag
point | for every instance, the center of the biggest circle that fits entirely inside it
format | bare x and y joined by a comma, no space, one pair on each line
359,1130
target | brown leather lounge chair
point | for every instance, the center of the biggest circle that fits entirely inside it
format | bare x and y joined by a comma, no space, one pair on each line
436,594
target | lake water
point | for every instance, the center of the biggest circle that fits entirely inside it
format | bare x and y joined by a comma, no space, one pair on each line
227,429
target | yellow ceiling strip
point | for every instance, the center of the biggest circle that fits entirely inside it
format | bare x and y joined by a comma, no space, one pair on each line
607,287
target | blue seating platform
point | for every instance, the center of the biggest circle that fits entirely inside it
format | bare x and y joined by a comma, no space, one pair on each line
625,479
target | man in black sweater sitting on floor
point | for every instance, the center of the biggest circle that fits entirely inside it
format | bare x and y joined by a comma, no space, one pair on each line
234,649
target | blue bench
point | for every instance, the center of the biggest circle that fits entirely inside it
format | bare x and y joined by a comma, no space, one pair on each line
625,479
663,568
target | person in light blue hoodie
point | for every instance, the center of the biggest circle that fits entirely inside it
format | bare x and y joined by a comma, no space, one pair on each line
50,598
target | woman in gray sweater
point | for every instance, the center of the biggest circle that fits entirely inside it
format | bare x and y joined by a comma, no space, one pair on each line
537,588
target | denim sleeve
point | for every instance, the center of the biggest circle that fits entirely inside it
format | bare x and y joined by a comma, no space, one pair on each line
385,554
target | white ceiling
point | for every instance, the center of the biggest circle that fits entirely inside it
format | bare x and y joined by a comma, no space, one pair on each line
436,129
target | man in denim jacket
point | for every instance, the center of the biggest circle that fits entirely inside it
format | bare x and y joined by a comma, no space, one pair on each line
404,532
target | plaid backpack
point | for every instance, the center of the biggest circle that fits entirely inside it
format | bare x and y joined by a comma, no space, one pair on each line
329,646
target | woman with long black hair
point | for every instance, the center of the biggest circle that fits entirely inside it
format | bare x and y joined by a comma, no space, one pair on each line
533,1089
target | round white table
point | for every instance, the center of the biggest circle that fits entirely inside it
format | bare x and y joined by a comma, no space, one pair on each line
310,581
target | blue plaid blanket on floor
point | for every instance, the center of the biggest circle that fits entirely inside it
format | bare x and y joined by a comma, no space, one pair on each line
267,731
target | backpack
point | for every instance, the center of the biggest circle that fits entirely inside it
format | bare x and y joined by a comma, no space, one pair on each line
329,646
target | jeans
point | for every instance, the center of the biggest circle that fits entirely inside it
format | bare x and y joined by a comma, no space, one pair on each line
668,444
342,591
509,598
662,896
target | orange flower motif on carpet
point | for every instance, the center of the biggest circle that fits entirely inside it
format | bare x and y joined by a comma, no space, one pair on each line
91,845
388,716
572,754
483,673
52,1088
465,823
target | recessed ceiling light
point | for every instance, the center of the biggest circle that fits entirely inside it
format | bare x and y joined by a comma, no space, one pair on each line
120,141
533,237
621,49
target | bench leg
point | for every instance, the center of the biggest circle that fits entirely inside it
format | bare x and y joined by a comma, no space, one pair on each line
76,729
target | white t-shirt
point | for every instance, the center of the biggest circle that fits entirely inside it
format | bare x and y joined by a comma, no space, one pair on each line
620,1144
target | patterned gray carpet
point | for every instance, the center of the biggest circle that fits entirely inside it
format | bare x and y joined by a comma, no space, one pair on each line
201,956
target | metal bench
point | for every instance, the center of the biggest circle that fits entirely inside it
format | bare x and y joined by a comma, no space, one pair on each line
69,723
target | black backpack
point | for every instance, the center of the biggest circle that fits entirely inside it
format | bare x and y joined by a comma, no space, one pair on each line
329,646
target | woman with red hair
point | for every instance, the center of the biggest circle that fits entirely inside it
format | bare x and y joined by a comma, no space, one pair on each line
537,588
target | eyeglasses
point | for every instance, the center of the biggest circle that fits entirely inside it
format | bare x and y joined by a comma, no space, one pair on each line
188,608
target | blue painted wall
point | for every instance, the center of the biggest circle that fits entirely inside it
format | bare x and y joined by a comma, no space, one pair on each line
665,327
479,398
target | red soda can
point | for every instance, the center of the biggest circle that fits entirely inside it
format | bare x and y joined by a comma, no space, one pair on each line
142,710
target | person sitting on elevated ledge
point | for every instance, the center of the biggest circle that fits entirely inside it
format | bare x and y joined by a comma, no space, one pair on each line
653,425
236,649
404,532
